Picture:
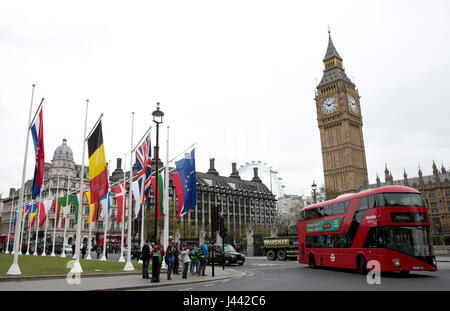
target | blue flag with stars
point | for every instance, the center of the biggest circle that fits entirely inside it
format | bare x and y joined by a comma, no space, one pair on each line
188,179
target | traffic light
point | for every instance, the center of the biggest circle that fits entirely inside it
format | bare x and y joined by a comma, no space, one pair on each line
223,230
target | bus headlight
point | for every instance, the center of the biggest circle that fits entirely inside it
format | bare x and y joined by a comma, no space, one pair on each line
396,262
434,261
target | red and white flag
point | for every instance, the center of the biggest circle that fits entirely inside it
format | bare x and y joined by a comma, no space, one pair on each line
120,192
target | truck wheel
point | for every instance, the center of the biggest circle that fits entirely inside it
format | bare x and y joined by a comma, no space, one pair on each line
270,255
281,255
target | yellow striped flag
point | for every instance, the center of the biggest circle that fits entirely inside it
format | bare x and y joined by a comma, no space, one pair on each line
98,178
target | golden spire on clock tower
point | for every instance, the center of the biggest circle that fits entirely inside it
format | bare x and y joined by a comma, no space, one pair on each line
340,124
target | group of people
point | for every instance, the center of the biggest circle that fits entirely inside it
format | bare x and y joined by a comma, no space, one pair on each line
174,256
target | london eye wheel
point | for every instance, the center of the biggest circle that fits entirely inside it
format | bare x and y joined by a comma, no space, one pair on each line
275,182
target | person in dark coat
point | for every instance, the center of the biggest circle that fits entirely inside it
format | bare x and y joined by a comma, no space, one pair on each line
145,257
176,263
157,254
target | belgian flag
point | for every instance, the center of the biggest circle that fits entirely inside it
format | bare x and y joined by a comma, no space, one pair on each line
98,177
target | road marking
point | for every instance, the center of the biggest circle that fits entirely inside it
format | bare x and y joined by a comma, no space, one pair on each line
224,281
185,289
207,285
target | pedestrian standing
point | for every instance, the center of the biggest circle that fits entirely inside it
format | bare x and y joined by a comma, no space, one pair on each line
170,260
98,250
194,260
176,263
157,254
83,250
145,257
202,256
185,260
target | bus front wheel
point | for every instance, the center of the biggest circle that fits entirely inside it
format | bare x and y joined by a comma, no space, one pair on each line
312,261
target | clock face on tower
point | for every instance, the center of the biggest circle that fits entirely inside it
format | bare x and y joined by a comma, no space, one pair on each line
329,105
352,104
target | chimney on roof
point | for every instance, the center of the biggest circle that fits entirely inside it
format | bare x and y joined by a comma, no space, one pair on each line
212,170
255,175
234,171
11,191
119,163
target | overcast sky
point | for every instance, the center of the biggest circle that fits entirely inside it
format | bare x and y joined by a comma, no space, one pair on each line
235,77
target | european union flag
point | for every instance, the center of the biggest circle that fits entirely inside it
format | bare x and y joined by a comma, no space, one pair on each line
186,171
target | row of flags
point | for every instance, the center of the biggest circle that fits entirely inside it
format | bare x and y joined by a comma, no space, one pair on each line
99,195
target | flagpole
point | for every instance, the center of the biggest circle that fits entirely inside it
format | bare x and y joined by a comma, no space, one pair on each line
56,218
88,257
15,269
129,265
122,259
37,223
107,216
46,220
29,228
22,226
166,194
9,228
76,268
63,253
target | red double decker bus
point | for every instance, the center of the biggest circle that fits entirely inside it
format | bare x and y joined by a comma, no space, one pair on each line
389,224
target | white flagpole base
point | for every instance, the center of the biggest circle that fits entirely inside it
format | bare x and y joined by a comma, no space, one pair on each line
103,258
76,268
89,257
43,254
7,252
163,265
74,256
128,266
35,254
63,255
53,254
121,259
140,261
14,269
27,253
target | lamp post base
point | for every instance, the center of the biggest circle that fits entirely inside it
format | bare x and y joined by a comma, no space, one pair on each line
76,268
121,259
128,266
14,269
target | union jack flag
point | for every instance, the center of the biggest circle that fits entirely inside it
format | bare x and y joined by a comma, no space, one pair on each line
144,167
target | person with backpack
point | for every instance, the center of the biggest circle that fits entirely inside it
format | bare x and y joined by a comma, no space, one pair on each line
194,260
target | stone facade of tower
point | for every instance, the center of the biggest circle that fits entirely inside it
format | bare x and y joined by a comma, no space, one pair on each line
340,123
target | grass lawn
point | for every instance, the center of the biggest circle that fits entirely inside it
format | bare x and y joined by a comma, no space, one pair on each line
38,265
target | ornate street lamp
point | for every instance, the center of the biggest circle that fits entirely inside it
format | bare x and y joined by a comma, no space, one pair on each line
158,119
314,188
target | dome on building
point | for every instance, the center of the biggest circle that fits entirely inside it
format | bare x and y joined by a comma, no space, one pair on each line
63,151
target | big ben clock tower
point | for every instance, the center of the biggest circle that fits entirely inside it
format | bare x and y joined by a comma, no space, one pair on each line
340,124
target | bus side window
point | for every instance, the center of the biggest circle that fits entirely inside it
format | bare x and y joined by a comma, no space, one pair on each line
379,198
371,201
363,204
319,212
327,210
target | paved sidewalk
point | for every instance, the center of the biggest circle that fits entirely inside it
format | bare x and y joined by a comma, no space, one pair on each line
113,282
